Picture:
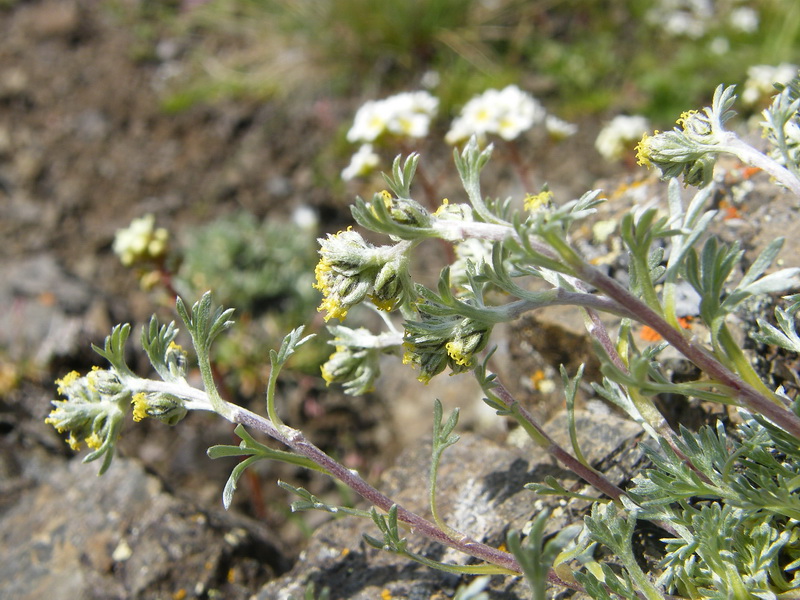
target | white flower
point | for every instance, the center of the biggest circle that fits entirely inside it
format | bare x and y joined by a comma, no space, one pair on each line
305,217
369,123
408,115
140,241
689,18
719,45
411,113
506,113
761,79
619,135
744,19
558,129
684,24
363,162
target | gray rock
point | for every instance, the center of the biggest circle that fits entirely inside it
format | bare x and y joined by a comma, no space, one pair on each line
48,311
71,535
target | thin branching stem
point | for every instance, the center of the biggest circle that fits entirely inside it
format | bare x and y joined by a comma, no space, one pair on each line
696,354
588,474
300,444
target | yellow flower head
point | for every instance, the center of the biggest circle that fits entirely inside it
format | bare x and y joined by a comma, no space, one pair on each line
535,202
643,150
94,441
139,407
332,305
442,208
685,116
456,351
73,442
65,382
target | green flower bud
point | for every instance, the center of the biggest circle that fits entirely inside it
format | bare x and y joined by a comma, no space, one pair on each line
177,360
676,154
393,284
163,407
438,342
405,211
470,337
690,150
453,212
356,369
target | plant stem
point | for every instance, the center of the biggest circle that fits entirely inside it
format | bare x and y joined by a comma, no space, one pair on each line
747,154
527,421
696,354
297,442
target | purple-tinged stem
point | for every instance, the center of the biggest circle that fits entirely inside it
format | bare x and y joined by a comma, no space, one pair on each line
696,354
586,473
297,442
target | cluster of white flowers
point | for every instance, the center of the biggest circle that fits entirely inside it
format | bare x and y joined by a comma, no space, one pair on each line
140,241
506,113
694,18
620,135
761,80
406,115
363,162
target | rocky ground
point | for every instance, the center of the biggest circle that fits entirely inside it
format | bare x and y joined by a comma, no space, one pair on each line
84,148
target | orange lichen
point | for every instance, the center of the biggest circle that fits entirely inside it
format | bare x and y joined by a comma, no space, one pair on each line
648,334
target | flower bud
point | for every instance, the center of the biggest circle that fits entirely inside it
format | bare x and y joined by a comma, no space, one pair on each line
676,154
470,338
453,212
163,407
354,368
405,211
177,360
438,342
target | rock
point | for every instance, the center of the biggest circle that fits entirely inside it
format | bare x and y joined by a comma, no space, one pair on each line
49,309
71,535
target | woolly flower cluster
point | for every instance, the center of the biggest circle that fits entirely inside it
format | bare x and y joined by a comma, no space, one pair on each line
620,135
406,115
141,241
761,80
505,113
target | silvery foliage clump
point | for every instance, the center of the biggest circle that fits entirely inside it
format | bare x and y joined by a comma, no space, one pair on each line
725,497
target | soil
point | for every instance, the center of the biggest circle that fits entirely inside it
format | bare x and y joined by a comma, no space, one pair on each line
86,146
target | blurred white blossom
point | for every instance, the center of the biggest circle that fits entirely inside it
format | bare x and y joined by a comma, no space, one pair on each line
140,241
761,79
407,114
682,18
719,45
558,129
363,162
620,135
744,19
506,113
